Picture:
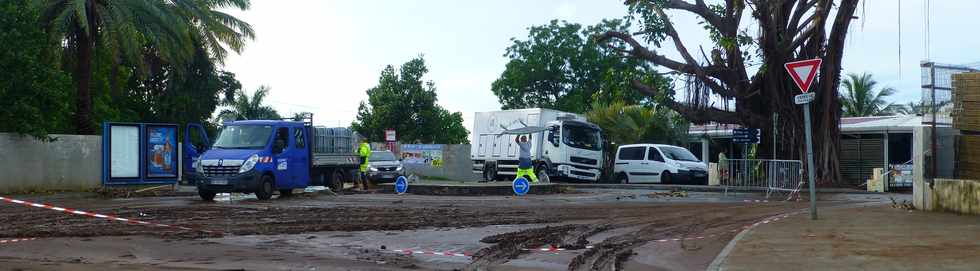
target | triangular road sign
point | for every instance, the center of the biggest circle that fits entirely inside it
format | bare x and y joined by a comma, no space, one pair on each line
803,72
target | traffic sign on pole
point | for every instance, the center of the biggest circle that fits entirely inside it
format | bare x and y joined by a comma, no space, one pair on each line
803,72
401,185
804,98
746,136
521,186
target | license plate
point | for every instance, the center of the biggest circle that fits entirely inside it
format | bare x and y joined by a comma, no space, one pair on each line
387,176
219,182
699,174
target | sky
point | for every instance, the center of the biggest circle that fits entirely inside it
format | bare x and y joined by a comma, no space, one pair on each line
321,56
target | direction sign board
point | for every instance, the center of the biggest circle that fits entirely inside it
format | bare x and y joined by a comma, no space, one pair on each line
390,135
521,186
804,98
803,72
401,185
746,136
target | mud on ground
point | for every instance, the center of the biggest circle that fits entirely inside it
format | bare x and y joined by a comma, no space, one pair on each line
627,225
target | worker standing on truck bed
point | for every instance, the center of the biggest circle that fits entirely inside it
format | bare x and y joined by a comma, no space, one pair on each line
365,152
524,166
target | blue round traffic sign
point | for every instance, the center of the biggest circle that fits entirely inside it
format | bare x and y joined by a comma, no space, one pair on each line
521,186
401,185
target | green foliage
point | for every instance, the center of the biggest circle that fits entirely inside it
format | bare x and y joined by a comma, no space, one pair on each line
179,94
166,50
860,99
404,102
560,66
32,88
244,107
629,124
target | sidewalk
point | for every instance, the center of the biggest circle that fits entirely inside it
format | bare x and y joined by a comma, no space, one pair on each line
860,238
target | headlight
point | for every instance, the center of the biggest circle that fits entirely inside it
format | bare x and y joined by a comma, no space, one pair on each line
399,168
249,164
373,169
197,166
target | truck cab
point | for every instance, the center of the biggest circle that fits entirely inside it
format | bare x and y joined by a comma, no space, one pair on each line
572,149
256,156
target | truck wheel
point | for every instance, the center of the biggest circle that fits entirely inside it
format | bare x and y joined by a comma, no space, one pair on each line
542,173
489,173
285,193
336,181
265,188
206,195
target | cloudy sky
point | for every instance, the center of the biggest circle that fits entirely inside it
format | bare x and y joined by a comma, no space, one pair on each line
321,56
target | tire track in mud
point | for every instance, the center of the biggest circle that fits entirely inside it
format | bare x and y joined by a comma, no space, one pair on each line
611,253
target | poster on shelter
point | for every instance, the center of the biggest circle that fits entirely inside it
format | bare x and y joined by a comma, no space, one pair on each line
161,151
124,151
422,154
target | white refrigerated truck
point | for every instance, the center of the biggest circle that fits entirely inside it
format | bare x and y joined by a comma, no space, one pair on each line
563,145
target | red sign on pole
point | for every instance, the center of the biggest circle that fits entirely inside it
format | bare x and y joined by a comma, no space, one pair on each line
803,72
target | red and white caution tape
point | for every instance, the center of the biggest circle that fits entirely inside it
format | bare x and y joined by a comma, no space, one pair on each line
16,240
432,253
95,215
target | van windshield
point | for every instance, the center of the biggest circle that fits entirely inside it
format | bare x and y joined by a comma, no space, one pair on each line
243,137
581,137
679,154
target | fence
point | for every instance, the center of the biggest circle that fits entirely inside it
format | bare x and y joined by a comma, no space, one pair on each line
937,106
772,176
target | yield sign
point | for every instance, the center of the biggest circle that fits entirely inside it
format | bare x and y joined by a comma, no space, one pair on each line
803,72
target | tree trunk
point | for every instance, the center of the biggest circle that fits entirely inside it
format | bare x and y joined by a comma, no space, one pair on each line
83,95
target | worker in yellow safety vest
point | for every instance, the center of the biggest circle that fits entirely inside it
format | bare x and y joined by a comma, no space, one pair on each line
525,167
365,152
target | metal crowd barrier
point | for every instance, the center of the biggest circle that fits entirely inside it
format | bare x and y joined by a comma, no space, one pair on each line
772,176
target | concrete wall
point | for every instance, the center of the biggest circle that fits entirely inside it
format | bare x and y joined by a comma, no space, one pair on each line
960,196
72,162
456,165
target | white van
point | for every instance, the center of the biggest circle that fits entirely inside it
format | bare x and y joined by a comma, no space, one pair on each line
655,163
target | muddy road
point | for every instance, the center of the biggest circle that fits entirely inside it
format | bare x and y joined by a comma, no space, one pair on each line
589,230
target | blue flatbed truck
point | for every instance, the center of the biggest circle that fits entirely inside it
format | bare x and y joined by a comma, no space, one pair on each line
265,156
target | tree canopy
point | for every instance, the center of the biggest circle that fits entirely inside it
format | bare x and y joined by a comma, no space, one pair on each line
745,66
33,90
245,107
560,66
166,50
403,101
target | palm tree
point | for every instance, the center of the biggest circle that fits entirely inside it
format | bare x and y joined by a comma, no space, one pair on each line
244,107
215,29
82,24
860,98
172,28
